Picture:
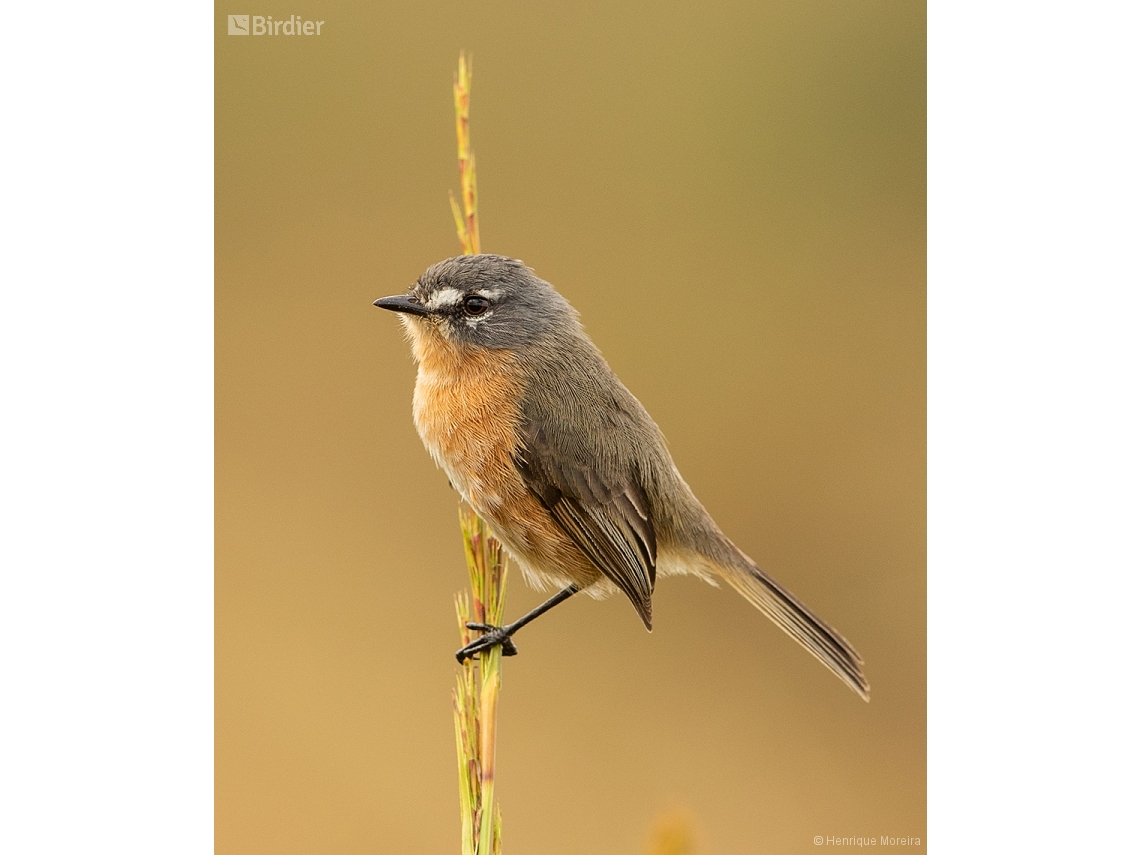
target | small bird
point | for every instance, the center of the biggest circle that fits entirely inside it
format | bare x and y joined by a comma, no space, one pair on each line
537,434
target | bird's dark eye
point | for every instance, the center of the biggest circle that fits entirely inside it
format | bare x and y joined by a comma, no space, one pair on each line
475,305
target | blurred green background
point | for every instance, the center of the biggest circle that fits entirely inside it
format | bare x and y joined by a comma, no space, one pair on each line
733,195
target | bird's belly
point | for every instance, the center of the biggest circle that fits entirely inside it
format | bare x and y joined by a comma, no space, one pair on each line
469,421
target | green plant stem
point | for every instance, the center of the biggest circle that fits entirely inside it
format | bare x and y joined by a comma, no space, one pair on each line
476,696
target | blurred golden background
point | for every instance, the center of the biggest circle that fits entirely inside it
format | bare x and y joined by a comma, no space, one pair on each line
733,196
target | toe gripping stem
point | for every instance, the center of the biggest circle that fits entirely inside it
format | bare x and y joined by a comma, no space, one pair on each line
501,635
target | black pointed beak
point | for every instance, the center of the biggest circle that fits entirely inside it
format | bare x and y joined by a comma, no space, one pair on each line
402,303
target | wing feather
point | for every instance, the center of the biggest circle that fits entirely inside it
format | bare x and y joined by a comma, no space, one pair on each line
606,513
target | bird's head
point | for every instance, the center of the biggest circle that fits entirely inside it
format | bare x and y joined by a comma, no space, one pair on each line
481,301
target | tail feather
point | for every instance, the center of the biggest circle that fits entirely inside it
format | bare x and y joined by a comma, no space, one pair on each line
798,621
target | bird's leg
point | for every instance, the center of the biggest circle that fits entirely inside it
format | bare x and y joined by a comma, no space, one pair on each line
493,635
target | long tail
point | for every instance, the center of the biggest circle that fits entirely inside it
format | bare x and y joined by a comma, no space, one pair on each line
798,621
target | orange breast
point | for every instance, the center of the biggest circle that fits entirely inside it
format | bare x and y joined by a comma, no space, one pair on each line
466,409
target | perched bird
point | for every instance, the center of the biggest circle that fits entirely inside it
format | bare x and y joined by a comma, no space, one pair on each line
568,470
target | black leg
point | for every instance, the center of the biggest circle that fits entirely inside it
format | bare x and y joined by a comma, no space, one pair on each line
494,635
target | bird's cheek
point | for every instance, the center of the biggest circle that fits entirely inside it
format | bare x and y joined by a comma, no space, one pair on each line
442,327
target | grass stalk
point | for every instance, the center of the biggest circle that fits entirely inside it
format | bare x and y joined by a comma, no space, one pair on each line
466,219
476,696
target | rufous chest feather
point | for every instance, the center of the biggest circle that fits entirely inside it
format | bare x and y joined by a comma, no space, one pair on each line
466,411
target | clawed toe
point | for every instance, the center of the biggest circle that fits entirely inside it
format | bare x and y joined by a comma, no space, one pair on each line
493,636
500,636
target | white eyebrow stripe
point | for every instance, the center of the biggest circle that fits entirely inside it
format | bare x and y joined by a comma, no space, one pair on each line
490,293
443,297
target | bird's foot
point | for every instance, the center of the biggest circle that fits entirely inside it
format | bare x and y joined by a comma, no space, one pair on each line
492,636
